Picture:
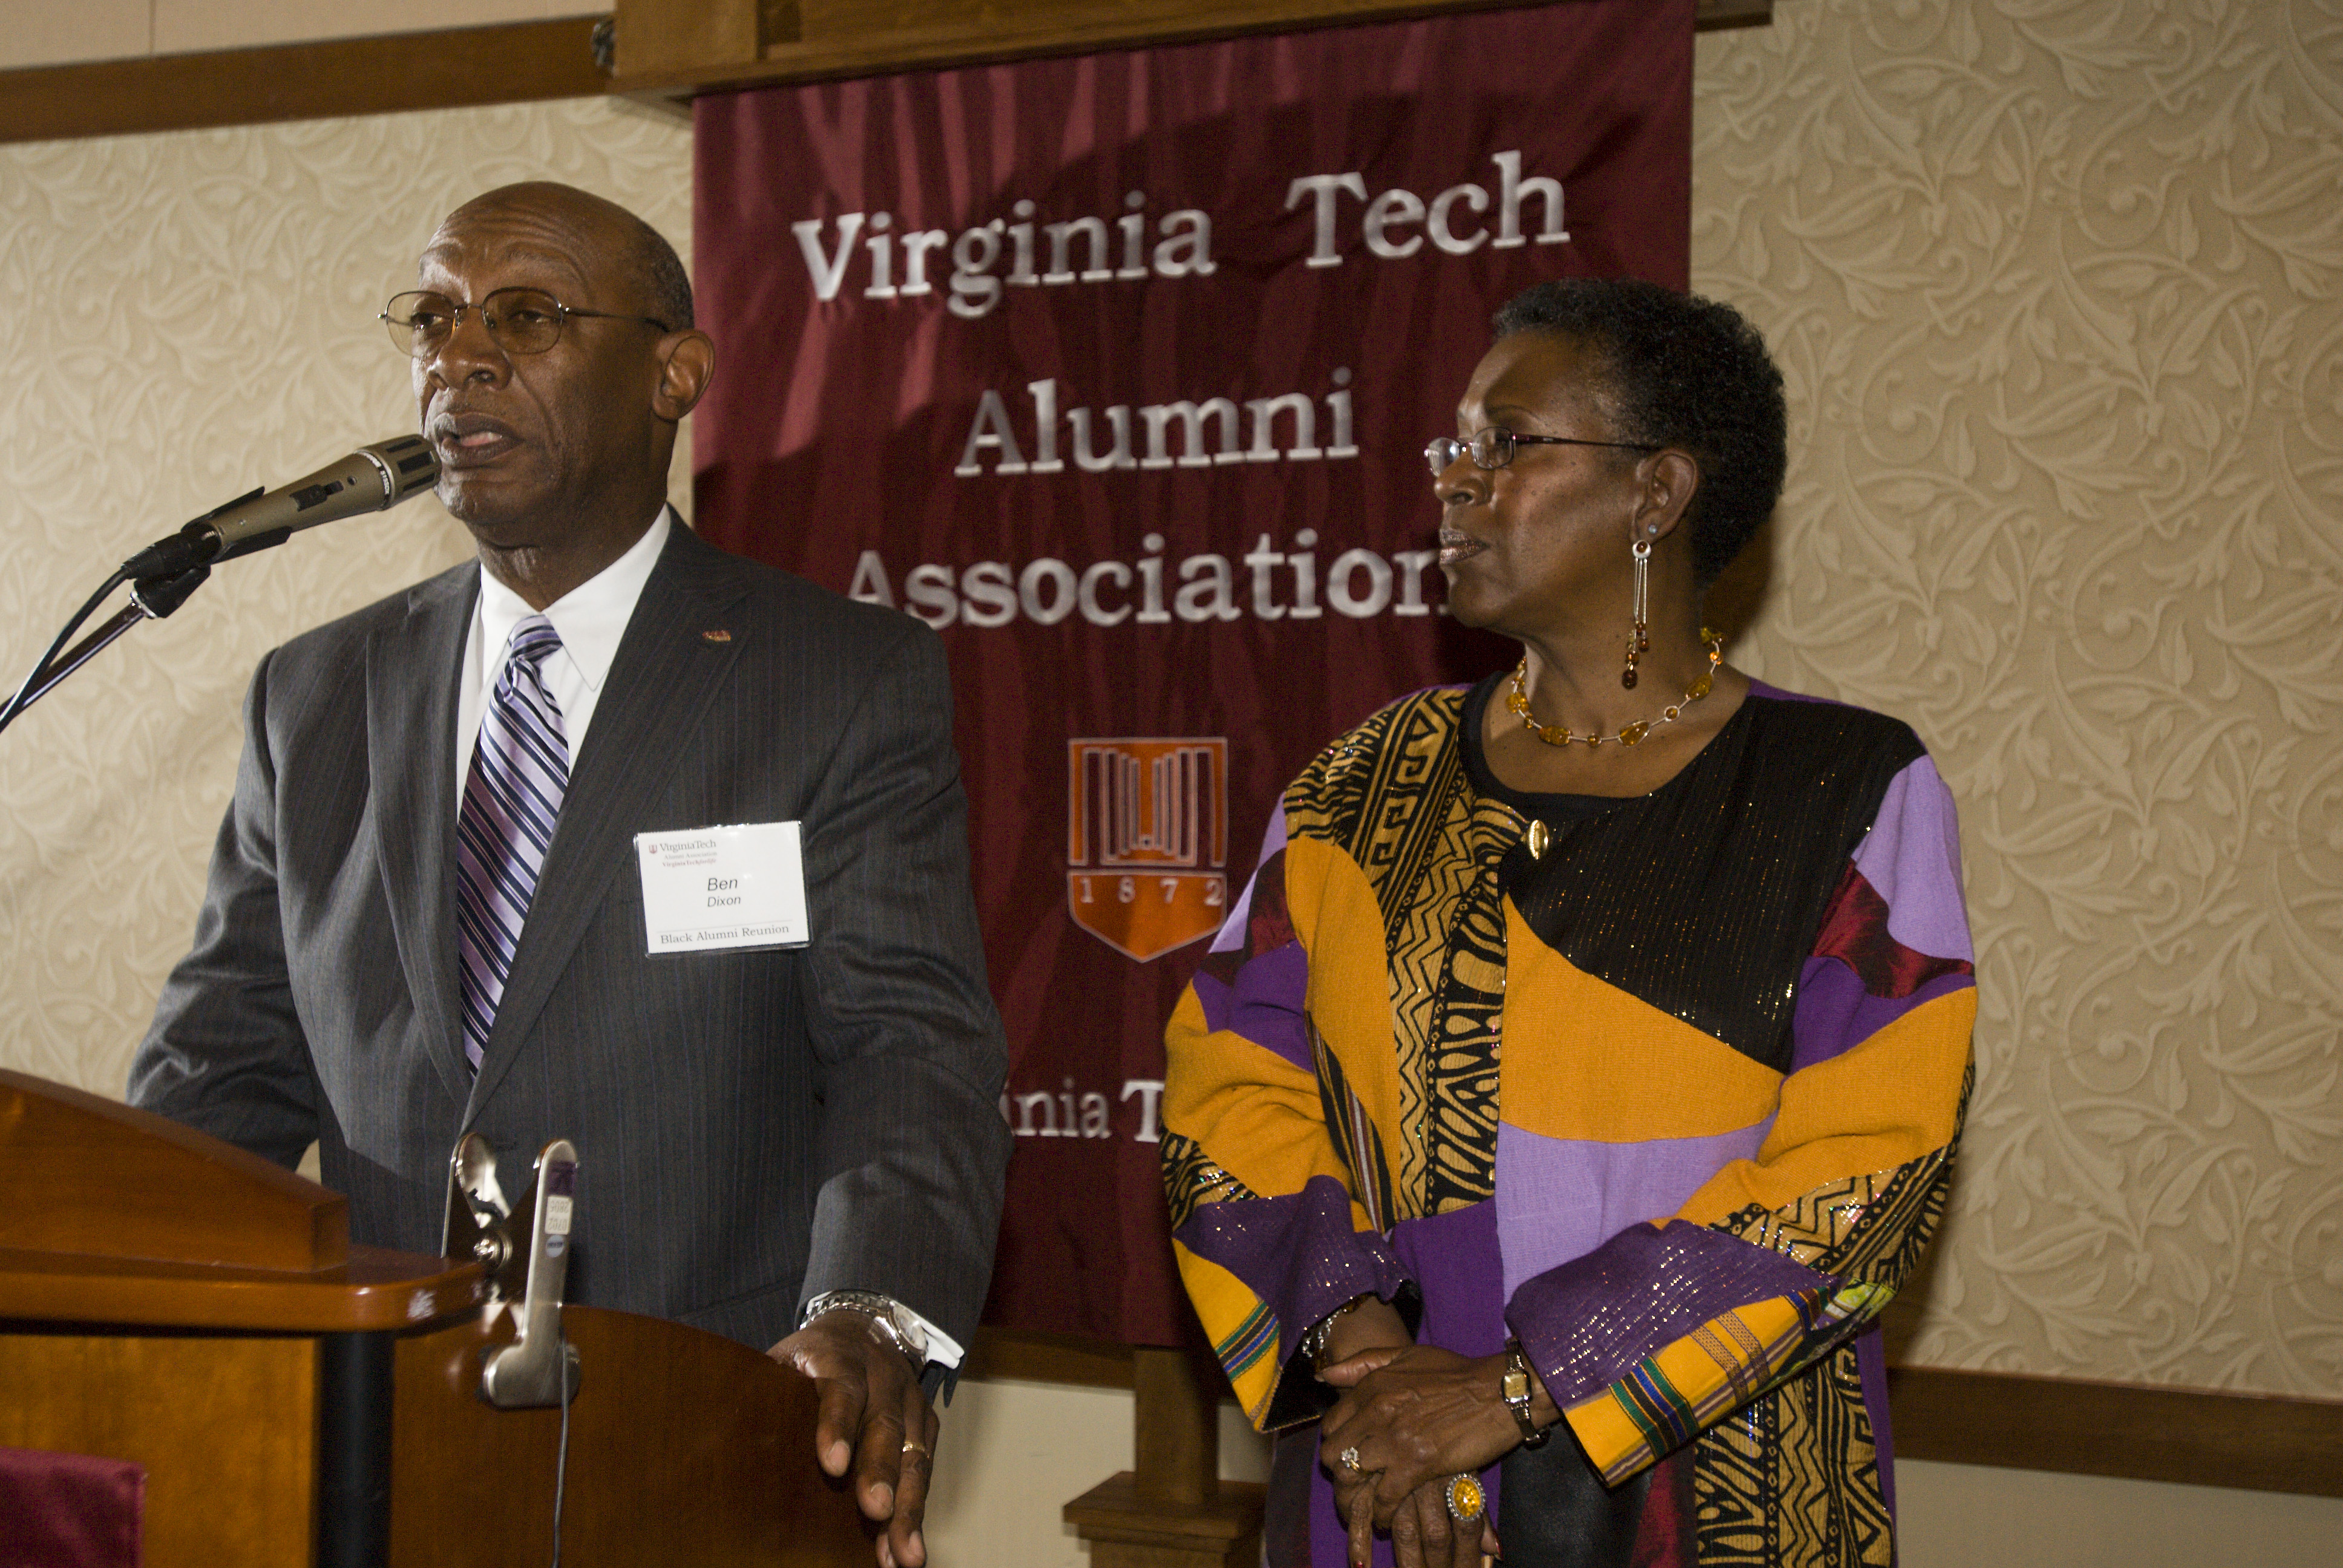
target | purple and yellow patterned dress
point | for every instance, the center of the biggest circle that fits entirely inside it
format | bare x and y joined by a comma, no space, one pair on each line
1675,1103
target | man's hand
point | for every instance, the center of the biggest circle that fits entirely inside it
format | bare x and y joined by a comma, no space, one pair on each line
874,1418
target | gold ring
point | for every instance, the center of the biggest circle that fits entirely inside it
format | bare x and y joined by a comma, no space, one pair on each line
1466,1500
1349,1460
912,1446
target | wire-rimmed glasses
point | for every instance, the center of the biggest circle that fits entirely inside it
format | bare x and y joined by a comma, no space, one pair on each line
519,320
1492,448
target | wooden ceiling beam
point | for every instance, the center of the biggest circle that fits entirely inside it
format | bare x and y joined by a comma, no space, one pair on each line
674,49
455,68
666,51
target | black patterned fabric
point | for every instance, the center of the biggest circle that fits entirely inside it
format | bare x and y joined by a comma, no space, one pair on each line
1624,893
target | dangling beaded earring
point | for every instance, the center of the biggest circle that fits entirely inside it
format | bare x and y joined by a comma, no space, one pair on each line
1639,642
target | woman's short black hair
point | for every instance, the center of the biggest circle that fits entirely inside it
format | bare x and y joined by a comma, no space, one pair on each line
1679,371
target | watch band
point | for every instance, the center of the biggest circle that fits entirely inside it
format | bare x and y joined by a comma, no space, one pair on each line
1519,1387
895,1325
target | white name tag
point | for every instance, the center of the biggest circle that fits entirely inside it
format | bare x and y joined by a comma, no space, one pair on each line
711,888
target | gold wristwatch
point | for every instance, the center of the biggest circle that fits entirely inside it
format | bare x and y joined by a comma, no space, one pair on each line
1519,1385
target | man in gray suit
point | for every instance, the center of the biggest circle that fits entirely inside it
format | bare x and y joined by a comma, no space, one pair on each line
425,913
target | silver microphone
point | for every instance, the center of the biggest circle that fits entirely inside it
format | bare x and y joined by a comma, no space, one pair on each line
371,480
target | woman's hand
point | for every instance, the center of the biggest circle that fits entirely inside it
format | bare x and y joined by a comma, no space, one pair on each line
1411,1418
1425,1534
1372,1327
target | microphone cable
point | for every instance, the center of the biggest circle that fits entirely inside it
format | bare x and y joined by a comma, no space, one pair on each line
33,686
151,598
560,1454
373,478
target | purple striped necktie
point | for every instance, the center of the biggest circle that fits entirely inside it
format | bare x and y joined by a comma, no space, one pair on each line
512,797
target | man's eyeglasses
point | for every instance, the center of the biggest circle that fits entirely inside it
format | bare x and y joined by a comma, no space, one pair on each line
520,320
1493,448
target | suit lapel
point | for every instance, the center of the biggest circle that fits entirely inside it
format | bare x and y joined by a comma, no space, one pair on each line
411,680
659,687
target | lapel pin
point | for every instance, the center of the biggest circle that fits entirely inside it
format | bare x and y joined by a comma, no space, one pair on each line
717,634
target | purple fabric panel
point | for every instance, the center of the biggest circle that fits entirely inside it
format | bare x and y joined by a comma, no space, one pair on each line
1265,1004
1912,858
1232,929
1297,1252
1452,1259
1561,1197
1587,1323
1328,1543
70,1510
1216,997
1835,1014
1871,1356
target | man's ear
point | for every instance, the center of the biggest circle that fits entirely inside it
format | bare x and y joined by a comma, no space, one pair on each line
686,360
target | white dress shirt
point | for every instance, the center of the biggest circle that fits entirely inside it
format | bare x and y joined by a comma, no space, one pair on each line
590,618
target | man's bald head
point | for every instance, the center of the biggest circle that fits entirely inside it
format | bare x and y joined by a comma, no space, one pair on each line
640,254
554,436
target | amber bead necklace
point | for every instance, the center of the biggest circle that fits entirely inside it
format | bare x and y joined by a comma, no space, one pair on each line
1629,735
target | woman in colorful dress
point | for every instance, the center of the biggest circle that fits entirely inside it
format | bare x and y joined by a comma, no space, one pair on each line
1581,1071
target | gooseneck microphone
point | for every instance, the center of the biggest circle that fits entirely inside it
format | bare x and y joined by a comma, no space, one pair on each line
370,479
161,576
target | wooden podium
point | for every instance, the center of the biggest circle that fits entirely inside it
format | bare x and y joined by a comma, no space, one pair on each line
171,1301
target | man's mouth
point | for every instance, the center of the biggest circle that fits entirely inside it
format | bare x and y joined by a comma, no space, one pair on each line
1455,545
467,439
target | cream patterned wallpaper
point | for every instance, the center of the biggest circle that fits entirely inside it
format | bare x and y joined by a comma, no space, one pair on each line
2055,283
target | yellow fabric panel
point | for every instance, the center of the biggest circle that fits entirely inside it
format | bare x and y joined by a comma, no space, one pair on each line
1622,1070
1223,1303
1763,1332
1350,982
1254,1113
1606,1433
1889,1101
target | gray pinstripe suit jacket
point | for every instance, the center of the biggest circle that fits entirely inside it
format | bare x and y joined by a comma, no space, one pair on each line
752,1128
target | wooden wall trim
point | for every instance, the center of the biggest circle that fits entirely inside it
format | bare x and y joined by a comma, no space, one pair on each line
668,49
2192,1437
526,61
2261,1443
455,68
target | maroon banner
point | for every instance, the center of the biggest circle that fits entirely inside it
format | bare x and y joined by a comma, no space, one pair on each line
1118,371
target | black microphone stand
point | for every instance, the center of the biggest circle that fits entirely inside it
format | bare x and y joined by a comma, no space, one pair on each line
151,598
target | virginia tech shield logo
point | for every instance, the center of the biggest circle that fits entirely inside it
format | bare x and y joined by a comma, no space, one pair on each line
1147,841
